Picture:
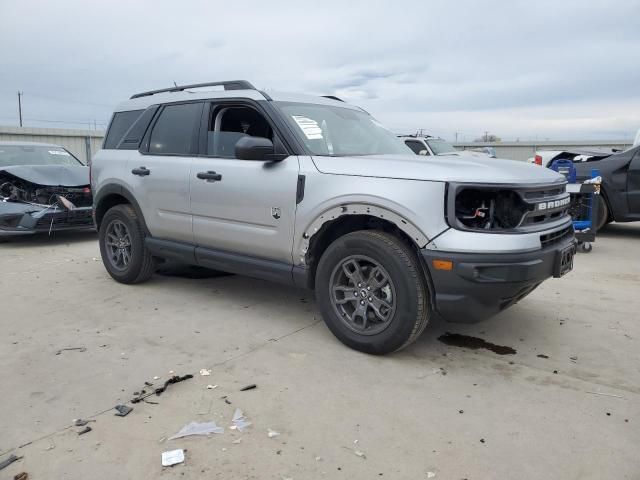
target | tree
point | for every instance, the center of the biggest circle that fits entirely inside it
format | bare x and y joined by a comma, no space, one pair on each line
488,137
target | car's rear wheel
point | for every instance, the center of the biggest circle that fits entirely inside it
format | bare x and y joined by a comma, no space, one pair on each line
122,247
371,292
603,212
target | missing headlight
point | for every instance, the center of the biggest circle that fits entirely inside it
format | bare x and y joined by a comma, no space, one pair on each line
485,209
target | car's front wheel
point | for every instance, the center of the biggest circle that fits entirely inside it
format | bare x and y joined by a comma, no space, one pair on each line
371,292
122,247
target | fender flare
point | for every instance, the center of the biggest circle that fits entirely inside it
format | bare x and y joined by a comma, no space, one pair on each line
301,246
114,189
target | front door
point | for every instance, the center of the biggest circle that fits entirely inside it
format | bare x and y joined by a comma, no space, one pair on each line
633,184
242,206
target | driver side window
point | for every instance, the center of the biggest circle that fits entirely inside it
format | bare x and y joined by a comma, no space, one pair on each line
229,123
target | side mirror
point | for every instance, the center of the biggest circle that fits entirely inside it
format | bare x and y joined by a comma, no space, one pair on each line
257,148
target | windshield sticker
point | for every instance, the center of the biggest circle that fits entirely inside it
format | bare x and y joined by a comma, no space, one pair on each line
309,127
59,152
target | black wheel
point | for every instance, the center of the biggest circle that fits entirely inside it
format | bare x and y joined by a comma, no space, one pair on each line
603,212
371,292
586,247
122,247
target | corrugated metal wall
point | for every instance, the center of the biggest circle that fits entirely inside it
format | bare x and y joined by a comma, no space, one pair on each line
82,143
524,150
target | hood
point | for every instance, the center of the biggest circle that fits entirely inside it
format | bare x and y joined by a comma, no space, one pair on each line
51,175
441,168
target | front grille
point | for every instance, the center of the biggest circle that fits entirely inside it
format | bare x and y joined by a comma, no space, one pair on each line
65,219
552,238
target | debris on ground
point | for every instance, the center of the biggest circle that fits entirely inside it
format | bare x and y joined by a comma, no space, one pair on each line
172,457
360,454
574,358
122,410
226,400
542,355
81,422
21,476
195,428
606,394
79,349
156,378
160,390
211,387
237,441
204,372
272,433
84,430
248,387
431,475
239,420
12,458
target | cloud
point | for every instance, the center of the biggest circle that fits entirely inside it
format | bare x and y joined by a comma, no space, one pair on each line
514,68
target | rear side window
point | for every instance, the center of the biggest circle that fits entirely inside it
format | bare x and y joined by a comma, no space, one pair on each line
120,123
417,147
174,131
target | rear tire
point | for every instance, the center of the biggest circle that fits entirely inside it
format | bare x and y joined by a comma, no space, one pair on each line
603,212
122,247
391,308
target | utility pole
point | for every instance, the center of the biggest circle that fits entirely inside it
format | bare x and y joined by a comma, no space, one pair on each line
456,137
20,106
486,136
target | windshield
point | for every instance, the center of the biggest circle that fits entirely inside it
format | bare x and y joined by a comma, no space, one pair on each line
333,131
12,155
440,146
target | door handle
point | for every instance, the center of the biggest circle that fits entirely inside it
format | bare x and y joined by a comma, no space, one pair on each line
209,176
141,171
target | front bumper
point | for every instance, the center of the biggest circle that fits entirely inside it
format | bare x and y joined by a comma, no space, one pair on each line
19,220
481,285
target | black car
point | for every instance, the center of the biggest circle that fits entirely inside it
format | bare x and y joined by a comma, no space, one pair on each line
620,191
43,188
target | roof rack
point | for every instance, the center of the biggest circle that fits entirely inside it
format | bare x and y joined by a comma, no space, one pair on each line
229,85
333,97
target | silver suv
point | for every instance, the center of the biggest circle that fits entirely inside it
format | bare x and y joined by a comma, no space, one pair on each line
314,192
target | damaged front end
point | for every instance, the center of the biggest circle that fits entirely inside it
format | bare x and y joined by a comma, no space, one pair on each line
32,199
506,208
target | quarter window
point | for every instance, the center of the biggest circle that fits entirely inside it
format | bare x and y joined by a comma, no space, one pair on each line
173,133
120,123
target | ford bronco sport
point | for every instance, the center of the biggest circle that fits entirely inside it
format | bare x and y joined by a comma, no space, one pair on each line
314,192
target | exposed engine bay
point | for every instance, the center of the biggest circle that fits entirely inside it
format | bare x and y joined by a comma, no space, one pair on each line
13,189
44,198
489,209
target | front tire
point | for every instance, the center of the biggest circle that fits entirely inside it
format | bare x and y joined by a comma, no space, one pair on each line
603,212
122,246
371,292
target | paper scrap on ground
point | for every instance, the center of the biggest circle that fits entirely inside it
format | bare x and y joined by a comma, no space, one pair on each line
204,372
195,428
272,433
172,457
239,420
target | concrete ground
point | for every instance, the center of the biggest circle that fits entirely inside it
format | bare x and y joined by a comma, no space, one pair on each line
431,409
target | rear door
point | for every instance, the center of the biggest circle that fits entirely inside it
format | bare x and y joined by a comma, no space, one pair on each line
242,206
160,172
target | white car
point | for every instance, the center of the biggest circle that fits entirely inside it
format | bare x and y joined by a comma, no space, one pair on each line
428,145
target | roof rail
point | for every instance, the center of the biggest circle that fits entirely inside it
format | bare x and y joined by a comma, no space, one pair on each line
333,97
229,85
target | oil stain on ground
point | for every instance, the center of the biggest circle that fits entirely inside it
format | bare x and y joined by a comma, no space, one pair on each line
474,343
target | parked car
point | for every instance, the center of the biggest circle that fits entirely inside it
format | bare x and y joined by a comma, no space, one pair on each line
620,171
428,145
619,199
314,192
43,188
546,157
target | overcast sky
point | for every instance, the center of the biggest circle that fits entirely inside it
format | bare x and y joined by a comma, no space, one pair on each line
519,69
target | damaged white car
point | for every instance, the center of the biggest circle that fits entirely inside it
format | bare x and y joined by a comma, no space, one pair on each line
43,188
